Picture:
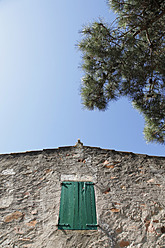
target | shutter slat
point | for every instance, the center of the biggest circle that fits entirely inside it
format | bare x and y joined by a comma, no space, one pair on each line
69,206
90,207
82,205
75,206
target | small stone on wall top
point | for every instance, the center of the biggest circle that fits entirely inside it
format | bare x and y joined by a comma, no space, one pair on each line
79,144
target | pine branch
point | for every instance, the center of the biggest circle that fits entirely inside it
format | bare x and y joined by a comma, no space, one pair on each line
101,24
150,23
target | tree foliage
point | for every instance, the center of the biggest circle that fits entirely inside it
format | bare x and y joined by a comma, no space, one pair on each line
127,58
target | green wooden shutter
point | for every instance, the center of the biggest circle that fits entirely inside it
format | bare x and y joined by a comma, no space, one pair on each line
91,219
77,206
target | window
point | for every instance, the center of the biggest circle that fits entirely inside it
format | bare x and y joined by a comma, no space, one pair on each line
77,206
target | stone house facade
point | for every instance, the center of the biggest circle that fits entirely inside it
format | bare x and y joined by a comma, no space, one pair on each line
129,198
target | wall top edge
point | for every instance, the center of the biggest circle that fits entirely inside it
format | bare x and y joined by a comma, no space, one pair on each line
65,148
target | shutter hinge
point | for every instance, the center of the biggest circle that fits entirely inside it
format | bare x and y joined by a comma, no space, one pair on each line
63,225
65,183
94,225
90,183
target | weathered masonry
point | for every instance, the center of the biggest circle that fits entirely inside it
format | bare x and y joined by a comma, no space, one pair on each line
119,199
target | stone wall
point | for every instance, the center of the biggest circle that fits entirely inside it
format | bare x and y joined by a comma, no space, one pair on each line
129,190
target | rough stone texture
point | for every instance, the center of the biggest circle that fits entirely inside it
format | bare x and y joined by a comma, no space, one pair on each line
129,191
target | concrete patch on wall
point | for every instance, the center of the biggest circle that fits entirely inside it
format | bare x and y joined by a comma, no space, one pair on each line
8,172
6,188
80,178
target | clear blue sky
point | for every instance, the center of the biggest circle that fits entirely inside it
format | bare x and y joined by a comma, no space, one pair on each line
40,104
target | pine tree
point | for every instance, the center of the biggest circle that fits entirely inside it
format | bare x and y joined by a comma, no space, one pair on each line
127,58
